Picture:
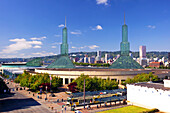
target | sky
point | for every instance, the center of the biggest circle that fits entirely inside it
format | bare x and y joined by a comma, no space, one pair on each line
33,28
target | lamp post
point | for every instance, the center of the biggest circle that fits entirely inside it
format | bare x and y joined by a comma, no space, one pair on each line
29,86
50,83
84,93
46,93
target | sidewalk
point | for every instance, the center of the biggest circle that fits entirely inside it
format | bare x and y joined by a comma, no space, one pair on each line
54,106
49,103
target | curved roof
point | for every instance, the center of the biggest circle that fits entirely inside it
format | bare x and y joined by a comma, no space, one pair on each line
125,62
62,62
35,62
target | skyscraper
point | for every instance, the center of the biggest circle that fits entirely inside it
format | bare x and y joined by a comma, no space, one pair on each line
64,45
169,58
142,52
124,46
98,58
142,55
106,57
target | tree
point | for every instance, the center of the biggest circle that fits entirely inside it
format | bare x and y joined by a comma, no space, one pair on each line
94,84
72,87
34,81
143,77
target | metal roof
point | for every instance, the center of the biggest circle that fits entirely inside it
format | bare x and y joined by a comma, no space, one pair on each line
125,62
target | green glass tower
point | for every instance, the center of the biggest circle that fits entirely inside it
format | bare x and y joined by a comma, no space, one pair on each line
64,45
125,61
124,46
63,60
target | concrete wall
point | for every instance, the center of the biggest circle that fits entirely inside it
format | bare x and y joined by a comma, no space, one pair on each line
113,75
148,97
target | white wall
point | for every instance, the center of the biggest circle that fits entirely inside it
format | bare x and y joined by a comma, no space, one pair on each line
148,97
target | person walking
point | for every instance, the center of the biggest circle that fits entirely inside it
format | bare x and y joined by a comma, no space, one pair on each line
65,109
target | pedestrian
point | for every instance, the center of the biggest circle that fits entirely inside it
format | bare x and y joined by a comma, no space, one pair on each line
87,106
62,109
65,109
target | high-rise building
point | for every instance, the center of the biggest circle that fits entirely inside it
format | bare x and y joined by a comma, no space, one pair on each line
142,52
106,58
91,59
99,53
86,60
142,55
98,58
169,58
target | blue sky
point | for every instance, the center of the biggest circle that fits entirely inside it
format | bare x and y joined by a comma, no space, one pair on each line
34,27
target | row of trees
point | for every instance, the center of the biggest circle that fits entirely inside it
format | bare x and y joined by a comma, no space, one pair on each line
88,64
3,86
5,76
94,84
34,81
142,78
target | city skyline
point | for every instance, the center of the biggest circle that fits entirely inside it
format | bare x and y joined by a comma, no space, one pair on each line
27,30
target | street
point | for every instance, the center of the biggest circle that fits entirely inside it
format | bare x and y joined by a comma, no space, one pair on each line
18,103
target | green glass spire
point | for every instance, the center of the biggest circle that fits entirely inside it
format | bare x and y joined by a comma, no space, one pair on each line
125,61
124,46
64,45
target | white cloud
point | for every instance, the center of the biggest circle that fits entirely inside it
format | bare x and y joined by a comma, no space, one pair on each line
40,38
102,2
61,25
76,32
151,26
56,43
90,47
20,44
57,35
73,47
93,46
98,27
43,53
37,46
53,46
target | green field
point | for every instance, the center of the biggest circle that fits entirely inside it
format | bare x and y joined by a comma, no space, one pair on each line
128,109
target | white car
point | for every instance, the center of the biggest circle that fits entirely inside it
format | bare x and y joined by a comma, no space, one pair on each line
77,111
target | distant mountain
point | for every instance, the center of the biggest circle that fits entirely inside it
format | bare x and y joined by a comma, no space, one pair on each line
49,59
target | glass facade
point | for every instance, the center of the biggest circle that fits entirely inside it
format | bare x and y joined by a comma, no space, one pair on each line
64,45
62,62
35,62
125,61
124,46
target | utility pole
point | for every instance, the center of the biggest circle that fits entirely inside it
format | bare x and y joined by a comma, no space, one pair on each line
84,93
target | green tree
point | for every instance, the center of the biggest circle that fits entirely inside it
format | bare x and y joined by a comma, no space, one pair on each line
95,84
143,77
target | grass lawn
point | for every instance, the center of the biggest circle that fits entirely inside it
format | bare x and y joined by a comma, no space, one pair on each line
128,109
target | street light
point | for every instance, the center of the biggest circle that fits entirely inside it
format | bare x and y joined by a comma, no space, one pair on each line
50,83
46,93
84,93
